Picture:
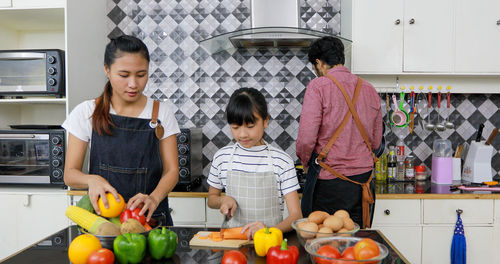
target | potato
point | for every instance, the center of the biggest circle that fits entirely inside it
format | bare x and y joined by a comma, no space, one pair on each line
317,217
334,222
324,232
348,224
108,229
132,225
310,227
342,214
344,231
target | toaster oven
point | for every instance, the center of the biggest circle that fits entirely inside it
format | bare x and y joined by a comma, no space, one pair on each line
32,72
32,156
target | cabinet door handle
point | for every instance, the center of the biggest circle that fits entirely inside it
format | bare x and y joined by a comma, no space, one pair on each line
498,22
398,21
387,211
412,21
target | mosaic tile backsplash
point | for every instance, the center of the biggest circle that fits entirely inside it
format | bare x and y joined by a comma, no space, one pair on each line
199,84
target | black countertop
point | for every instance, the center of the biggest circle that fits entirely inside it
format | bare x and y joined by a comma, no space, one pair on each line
53,249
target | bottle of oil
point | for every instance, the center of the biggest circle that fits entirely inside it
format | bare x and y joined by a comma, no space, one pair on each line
391,164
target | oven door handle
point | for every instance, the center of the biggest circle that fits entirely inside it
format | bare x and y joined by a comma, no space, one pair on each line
21,55
17,136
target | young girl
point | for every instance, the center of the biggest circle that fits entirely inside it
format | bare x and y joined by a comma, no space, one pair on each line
255,175
126,155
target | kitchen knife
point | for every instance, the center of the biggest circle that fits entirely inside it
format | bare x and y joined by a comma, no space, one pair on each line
225,225
479,133
458,152
492,136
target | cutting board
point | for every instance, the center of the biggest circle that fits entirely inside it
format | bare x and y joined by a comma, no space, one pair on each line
226,243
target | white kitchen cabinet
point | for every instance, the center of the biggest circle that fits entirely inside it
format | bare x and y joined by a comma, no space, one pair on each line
477,36
30,215
402,36
187,211
55,24
436,244
406,239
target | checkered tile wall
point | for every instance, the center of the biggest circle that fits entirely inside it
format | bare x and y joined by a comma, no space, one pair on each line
199,84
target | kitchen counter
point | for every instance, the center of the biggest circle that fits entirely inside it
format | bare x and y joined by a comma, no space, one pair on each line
47,251
396,190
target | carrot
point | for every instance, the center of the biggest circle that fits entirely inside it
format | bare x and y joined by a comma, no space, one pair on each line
215,236
147,227
234,233
202,237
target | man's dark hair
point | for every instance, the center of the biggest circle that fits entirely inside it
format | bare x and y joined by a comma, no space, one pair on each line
330,50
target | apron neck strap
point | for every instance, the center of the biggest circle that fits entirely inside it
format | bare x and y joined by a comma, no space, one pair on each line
154,114
269,157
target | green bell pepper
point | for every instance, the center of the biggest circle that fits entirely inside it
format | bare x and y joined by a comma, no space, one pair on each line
129,248
162,243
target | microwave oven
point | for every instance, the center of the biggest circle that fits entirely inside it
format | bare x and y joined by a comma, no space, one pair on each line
32,156
32,72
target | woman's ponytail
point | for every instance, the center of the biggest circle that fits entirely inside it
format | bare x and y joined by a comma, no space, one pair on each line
101,118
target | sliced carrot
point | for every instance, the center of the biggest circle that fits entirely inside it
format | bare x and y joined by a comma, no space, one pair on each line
147,227
195,235
202,237
234,233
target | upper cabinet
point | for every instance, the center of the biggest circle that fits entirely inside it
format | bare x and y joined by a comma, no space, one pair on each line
426,37
477,36
31,3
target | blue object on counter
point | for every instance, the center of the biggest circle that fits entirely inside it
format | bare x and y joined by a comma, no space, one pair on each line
458,243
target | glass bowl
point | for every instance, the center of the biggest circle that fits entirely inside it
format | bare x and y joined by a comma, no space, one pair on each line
341,243
304,235
107,241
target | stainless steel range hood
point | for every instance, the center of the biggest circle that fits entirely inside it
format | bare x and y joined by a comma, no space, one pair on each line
275,23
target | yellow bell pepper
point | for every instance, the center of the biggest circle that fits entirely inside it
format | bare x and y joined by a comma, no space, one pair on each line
266,238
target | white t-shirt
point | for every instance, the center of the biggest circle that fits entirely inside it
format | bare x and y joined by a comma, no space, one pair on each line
255,159
79,122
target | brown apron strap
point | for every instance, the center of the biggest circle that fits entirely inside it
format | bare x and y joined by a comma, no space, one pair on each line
367,195
355,115
159,131
332,140
154,115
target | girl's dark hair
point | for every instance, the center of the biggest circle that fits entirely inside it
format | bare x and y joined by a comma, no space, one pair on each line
327,49
243,104
101,119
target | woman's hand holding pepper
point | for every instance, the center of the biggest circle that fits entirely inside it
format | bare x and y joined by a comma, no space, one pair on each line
98,187
144,201
252,228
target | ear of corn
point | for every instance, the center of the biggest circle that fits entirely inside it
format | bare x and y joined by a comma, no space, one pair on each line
84,218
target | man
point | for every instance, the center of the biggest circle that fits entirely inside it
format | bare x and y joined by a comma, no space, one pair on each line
324,109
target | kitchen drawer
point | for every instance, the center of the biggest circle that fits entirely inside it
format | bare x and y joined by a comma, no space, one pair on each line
444,211
187,211
399,212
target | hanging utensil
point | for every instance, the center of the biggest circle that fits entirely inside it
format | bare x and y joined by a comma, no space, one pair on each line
388,108
439,126
447,123
398,117
412,110
420,106
429,126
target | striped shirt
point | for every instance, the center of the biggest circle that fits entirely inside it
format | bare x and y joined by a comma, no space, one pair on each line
254,159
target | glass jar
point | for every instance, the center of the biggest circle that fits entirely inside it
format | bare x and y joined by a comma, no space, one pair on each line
420,174
409,168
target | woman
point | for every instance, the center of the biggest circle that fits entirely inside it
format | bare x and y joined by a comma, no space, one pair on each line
341,122
129,154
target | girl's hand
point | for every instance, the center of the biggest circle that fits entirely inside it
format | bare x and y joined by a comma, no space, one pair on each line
252,228
228,205
98,187
144,201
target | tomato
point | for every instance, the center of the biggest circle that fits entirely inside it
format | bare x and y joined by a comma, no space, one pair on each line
234,257
132,214
101,256
329,252
348,253
366,249
114,208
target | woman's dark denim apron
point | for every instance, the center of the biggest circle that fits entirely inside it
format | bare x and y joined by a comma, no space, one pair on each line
130,160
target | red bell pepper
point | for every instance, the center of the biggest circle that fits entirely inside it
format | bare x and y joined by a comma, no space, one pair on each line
127,213
283,254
